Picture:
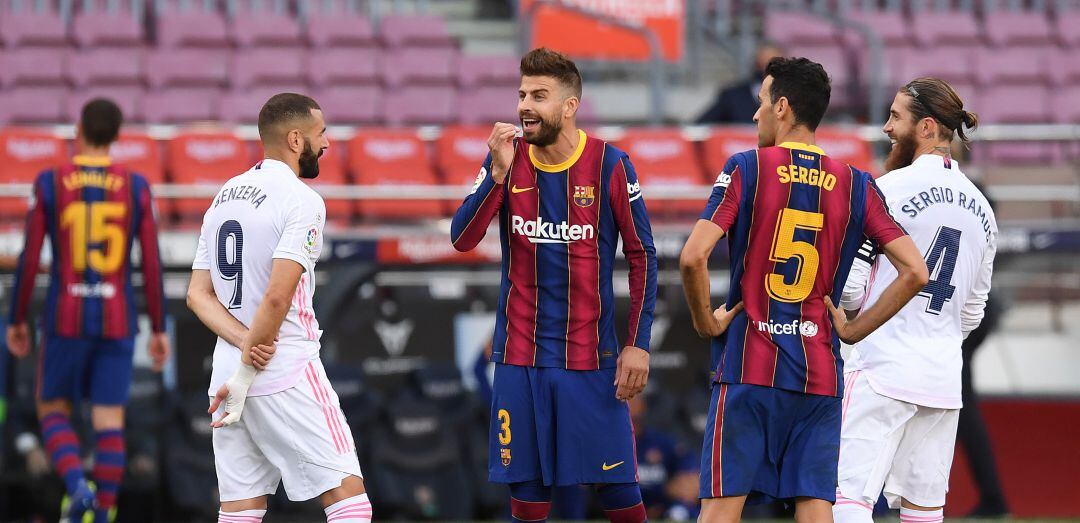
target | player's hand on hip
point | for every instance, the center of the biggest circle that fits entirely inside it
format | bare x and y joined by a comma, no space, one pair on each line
18,340
159,350
501,145
723,317
840,324
261,355
631,372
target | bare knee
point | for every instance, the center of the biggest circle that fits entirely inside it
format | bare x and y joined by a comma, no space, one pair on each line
350,486
813,510
722,510
107,417
241,505
57,406
909,505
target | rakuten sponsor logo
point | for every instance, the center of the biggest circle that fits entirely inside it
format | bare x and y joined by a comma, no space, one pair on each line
807,329
539,231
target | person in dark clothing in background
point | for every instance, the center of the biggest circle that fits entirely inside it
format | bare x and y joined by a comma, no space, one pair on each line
737,103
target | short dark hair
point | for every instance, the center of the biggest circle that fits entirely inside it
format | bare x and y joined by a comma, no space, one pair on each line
935,98
545,62
100,122
284,108
805,85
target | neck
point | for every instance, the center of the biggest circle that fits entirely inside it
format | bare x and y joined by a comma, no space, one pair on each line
92,150
938,148
291,160
562,149
797,133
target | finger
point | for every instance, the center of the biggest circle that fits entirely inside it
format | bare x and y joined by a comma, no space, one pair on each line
215,403
736,309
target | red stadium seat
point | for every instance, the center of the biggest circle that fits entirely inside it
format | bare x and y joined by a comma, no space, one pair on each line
664,158
331,172
24,154
847,146
204,158
141,154
723,144
460,152
392,158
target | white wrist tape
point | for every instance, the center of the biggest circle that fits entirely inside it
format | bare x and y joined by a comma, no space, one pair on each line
238,386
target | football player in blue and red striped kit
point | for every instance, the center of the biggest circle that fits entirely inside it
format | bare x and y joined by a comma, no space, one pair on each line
796,219
92,211
562,200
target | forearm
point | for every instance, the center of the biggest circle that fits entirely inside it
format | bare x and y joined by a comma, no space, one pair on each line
267,324
217,318
696,286
895,296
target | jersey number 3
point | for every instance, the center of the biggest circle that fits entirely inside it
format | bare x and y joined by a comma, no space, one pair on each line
941,262
785,247
232,270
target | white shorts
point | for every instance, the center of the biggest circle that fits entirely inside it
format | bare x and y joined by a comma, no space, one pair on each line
891,446
298,436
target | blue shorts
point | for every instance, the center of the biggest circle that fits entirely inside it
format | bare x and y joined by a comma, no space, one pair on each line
770,444
558,426
86,368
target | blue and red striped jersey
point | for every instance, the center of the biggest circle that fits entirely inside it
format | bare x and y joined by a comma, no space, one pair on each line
795,219
559,226
92,211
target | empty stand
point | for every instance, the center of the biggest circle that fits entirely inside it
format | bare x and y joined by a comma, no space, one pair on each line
26,153
204,158
106,66
489,70
789,28
100,28
392,158
420,65
344,66
459,153
422,30
181,105
187,67
35,66
268,67
34,105
487,105
354,105
33,28
1011,27
128,98
664,158
421,105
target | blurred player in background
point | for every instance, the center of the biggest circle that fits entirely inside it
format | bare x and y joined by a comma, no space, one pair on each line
736,103
796,218
252,283
92,211
902,399
562,200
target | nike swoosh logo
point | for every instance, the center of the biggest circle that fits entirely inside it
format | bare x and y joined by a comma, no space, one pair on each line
607,467
515,189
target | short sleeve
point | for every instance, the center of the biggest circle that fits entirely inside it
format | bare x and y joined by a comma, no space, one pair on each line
724,202
301,239
879,224
202,253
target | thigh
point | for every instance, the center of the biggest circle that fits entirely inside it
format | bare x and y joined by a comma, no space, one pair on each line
594,437
303,433
808,468
924,459
243,472
513,438
733,453
110,371
872,426
62,366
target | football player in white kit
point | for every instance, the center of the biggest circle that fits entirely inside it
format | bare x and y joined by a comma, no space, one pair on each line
252,283
902,383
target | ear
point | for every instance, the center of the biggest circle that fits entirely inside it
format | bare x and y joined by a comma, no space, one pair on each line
295,141
781,108
570,107
927,128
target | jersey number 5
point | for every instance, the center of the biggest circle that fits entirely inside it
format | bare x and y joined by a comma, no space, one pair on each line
232,270
76,218
785,247
941,262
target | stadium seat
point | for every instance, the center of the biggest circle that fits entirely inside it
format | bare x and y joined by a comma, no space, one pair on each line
139,153
936,28
1006,27
187,67
325,29
416,30
1015,104
891,26
392,158
420,65
459,153
789,28
242,105
1065,69
264,28
664,158
847,146
209,158
837,64
951,63
34,105
268,67
192,29
343,66
181,105
421,105
489,70
1067,24
1014,65
487,105
106,66
38,28
353,105
1067,105
100,29
723,144
35,66
891,67
129,98
331,172
25,153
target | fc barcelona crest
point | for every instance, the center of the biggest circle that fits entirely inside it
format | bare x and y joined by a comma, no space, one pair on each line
584,195
504,454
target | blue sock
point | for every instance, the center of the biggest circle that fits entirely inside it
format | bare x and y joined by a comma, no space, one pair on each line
529,501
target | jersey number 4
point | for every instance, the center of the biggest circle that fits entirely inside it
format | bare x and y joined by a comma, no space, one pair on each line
232,235
941,262
785,247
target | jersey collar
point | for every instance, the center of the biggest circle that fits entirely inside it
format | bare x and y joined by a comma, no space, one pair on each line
935,160
91,161
560,167
273,166
803,147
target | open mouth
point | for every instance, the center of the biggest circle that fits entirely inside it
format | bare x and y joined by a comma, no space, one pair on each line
530,124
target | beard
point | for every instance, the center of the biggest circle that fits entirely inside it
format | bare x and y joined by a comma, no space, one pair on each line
902,153
547,134
309,162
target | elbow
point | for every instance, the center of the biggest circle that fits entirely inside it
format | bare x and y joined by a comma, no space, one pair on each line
691,259
918,276
190,301
277,303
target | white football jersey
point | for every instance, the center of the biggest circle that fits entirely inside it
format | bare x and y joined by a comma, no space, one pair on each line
265,213
915,356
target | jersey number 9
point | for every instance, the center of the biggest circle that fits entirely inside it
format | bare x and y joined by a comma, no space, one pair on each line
232,270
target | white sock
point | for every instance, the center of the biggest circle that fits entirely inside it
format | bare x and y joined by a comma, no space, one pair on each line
848,510
908,515
244,516
356,509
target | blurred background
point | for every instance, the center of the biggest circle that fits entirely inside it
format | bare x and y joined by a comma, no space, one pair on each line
410,89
